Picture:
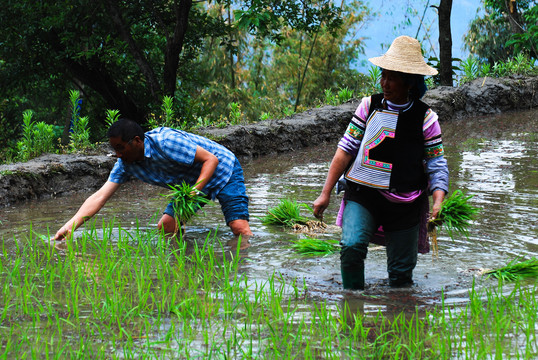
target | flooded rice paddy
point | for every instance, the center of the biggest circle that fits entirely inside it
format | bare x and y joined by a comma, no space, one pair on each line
493,158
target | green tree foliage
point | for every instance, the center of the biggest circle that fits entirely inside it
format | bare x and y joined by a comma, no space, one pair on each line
122,55
128,56
506,29
270,70
306,65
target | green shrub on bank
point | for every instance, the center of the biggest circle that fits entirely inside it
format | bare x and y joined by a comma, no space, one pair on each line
79,137
473,68
37,138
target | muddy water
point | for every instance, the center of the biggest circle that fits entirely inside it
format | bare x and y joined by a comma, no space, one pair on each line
493,158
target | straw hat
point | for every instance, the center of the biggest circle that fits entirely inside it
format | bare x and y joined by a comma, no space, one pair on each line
404,55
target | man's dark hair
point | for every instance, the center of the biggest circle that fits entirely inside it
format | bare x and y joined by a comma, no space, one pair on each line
125,128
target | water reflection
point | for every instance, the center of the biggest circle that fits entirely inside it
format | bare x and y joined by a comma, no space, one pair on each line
492,158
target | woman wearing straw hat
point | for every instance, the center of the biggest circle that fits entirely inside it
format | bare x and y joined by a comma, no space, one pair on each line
391,157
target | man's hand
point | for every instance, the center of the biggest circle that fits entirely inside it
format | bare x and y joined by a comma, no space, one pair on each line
63,234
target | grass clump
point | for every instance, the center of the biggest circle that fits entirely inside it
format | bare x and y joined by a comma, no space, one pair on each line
315,247
287,213
516,270
187,201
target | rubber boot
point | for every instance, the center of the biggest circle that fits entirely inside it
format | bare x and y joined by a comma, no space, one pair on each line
402,248
352,267
353,276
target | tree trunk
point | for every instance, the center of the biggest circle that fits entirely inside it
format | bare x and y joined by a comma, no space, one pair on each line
514,18
174,46
93,73
230,51
445,43
125,34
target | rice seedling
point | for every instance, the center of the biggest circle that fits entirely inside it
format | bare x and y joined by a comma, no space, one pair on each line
187,201
456,214
316,247
286,213
123,293
515,270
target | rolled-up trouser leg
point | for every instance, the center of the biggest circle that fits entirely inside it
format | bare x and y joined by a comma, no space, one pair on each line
358,226
402,248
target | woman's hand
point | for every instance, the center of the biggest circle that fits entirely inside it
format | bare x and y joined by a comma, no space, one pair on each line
339,163
321,203
438,197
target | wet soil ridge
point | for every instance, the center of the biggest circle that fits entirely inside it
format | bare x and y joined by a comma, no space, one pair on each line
484,96
312,127
53,175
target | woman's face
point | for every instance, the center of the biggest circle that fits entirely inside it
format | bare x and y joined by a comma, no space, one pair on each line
393,87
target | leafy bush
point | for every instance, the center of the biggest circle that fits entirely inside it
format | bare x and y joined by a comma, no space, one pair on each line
235,113
341,97
111,116
519,65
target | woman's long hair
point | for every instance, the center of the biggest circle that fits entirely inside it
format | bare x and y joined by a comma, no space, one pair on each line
417,83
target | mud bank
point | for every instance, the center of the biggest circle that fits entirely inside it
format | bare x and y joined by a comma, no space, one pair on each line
55,175
326,124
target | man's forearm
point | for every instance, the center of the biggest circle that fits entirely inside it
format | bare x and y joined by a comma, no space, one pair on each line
89,208
207,171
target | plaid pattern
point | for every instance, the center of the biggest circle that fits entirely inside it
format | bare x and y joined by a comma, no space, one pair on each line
169,159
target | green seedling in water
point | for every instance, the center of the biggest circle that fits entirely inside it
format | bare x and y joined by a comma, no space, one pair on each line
315,247
516,270
127,287
456,214
287,213
187,201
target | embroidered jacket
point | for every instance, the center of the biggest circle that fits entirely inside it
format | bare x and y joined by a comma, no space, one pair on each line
391,146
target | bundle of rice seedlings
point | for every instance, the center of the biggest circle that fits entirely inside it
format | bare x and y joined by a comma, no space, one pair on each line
516,270
455,215
315,247
287,213
187,200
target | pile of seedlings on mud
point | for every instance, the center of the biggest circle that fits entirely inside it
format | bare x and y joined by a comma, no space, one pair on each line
316,247
288,213
517,269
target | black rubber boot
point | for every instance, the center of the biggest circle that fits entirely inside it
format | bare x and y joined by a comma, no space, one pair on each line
352,268
352,277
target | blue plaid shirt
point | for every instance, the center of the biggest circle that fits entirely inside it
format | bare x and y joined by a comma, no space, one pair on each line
169,159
